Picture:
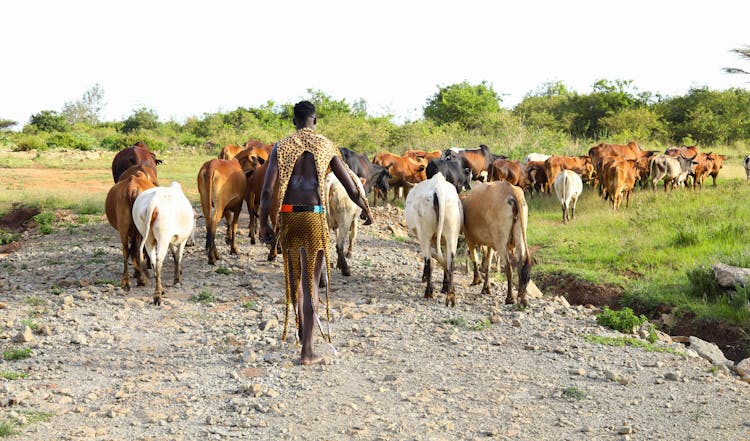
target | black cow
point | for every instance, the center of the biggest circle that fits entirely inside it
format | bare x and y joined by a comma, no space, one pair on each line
459,177
477,160
375,175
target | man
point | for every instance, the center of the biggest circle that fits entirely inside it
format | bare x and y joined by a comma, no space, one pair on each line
298,166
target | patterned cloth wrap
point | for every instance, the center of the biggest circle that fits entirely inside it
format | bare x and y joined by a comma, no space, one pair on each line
306,230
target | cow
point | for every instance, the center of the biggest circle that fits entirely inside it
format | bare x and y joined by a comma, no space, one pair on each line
230,151
703,163
536,176
434,214
118,207
342,214
507,170
618,179
568,187
495,216
478,160
673,171
746,163
164,217
222,185
256,148
133,155
452,171
602,153
427,156
579,164
405,171
376,177
717,164
536,157
689,151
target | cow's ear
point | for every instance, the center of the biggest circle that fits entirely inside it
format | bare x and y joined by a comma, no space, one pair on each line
261,161
420,168
249,173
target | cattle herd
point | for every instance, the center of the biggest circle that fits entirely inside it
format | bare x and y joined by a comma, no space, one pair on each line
447,193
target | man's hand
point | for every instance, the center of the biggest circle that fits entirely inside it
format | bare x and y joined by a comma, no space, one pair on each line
366,216
266,234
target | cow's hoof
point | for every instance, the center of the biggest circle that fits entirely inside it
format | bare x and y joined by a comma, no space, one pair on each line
510,300
486,290
450,300
157,300
428,294
346,272
252,241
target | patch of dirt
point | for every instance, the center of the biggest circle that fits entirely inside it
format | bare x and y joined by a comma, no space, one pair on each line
731,339
578,291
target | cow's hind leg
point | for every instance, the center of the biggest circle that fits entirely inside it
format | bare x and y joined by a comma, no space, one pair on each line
450,298
510,298
427,277
341,262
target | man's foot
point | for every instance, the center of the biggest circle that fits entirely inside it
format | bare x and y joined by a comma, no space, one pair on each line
314,359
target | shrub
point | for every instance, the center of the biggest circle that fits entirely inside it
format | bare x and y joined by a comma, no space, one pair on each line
25,143
17,354
72,140
623,320
203,297
118,141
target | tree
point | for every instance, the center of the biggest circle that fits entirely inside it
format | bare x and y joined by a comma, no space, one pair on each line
744,53
141,119
87,109
47,121
6,124
466,104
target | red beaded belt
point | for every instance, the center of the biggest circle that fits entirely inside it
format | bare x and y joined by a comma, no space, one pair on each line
287,208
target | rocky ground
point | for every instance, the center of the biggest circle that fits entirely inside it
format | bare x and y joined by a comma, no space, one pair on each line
210,364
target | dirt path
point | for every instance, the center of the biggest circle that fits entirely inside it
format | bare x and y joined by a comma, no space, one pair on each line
108,365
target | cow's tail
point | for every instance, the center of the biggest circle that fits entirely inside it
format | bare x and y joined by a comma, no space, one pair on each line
438,203
518,231
207,176
151,216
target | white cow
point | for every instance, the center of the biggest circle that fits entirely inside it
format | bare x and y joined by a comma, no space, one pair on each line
674,170
747,167
342,214
434,214
165,219
539,157
568,187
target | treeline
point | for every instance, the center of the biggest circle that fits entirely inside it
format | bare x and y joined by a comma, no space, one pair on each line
552,119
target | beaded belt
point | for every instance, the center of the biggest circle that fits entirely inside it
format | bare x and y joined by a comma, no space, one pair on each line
287,208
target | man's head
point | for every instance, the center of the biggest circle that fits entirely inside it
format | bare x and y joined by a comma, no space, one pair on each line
304,115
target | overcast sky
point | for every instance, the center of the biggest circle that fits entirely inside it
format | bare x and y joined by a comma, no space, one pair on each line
185,58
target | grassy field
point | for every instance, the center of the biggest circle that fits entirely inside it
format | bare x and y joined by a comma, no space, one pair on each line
648,249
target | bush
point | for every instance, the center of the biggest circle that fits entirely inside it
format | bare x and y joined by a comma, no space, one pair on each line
72,140
623,320
118,141
25,143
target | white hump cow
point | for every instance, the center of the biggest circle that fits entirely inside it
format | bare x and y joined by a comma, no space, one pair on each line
434,214
568,187
164,217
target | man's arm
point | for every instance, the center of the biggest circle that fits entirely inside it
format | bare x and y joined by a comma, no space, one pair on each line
339,168
269,185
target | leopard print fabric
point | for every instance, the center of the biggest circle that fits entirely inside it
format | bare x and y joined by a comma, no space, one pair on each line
289,150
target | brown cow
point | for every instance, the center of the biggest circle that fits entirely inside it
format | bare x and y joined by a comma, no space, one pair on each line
257,149
405,171
687,151
427,156
495,216
230,151
717,162
508,170
536,176
222,185
134,155
477,160
618,179
579,164
118,207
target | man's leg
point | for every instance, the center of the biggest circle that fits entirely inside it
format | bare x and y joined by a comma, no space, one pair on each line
307,316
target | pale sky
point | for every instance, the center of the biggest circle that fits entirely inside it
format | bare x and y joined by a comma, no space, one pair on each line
186,58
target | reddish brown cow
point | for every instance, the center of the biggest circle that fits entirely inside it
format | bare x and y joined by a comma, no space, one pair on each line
618,179
717,162
405,171
222,185
118,207
134,155
687,151
536,176
427,156
508,170
477,160
230,151
579,164
258,149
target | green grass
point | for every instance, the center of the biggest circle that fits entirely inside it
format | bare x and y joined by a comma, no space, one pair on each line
9,428
203,297
222,270
573,393
650,247
250,305
630,341
12,375
16,354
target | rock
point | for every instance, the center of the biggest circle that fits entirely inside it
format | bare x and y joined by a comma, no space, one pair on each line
532,291
25,336
68,300
79,339
709,351
3,305
44,330
269,324
729,276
